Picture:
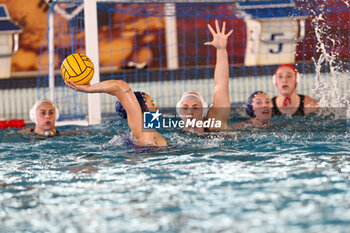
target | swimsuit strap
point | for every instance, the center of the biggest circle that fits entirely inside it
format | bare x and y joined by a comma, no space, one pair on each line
275,110
300,111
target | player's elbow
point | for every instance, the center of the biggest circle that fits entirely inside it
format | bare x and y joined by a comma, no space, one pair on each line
116,86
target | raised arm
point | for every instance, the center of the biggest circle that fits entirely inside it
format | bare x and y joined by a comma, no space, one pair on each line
126,96
220,109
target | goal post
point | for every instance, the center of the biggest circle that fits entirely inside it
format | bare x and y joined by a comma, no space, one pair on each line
91,47
92,51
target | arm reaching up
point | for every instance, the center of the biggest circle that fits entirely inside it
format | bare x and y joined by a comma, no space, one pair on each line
220,109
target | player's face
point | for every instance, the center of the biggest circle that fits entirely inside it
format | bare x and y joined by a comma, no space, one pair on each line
46,116
191,109
152,107
285,81
262,107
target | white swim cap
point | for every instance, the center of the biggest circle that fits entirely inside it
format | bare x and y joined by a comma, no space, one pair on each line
192,95
32,112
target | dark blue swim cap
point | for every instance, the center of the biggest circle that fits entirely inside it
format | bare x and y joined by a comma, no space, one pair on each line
140,96
249,105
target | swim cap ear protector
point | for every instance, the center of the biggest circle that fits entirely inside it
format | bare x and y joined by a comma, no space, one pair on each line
249,109
32,111
297,75
140,96
192,95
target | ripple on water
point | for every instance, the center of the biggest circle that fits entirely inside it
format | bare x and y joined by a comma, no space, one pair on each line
262,181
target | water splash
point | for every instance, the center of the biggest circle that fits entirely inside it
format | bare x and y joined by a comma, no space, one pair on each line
328,45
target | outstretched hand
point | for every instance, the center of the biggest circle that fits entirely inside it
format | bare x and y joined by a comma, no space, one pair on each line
82,88
219,37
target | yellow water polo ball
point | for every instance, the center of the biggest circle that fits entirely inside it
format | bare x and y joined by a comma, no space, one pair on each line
78,68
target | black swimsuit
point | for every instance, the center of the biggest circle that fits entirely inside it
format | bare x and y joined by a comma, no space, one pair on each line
299,112
57,133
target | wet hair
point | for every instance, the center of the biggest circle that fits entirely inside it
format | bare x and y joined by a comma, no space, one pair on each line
249,109
140,96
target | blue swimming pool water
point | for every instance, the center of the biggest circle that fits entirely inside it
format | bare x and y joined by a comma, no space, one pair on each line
294,180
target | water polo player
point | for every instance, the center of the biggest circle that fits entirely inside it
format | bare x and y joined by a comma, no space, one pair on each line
130,102
259,108
44,114
192,105
288,101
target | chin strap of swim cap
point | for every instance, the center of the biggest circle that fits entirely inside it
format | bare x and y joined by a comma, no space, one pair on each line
49,133
249,109
192,95
286,100
32,111
140,96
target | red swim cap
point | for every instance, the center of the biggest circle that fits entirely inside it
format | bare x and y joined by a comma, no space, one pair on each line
290,66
